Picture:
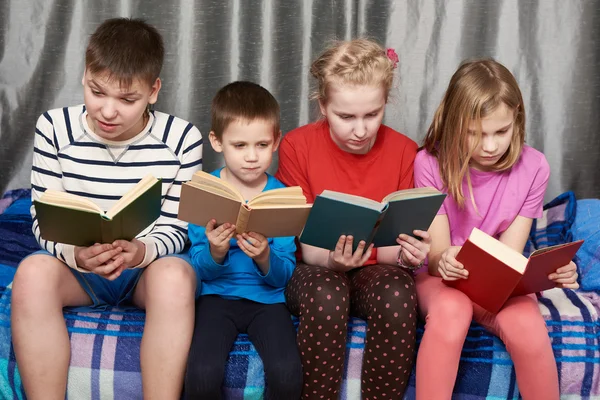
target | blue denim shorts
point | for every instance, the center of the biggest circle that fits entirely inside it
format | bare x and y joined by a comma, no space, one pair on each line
118,293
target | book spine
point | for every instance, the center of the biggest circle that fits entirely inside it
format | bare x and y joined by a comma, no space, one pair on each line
111,229
376,227
242,219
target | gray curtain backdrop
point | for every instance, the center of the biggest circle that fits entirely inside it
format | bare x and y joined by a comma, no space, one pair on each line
552,47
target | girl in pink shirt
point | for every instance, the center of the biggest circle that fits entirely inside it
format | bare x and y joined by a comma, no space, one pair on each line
474,151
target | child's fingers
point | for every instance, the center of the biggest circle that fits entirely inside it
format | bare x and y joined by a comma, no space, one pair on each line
573,285
210,226
225,234
339,246
245,248
412,260
409,239
257,236
95,250
567,268
108,268
360,249
452,271
107,255
424,235
348,247
445,275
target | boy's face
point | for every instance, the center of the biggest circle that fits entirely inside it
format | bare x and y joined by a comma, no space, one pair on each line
115,112
248,148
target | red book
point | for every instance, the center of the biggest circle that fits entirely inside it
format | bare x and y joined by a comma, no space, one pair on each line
497,272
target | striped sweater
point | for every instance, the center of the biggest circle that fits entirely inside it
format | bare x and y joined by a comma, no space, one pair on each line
69,157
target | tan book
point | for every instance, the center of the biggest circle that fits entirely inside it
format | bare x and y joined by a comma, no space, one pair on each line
72,219
274,213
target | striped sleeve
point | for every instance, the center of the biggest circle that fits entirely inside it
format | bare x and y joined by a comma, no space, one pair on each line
46,174
169,234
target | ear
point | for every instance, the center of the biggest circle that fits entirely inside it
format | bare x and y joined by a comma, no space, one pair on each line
215,142
154,91
322,107
277,141
83,77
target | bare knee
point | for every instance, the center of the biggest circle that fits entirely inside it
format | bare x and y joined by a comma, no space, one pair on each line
171,279
37,280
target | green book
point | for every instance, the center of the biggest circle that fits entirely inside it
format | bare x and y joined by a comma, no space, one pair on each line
334,214
71,219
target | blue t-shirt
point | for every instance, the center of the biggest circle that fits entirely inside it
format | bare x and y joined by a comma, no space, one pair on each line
239,277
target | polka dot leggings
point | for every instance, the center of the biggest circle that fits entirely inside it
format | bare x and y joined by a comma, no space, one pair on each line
382,295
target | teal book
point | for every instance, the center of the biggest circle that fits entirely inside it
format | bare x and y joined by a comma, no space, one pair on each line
71,219
334,214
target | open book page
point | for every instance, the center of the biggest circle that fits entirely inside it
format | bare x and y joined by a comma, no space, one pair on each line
352,199
213,184
282,197
69,200
499,250
144,184
411,194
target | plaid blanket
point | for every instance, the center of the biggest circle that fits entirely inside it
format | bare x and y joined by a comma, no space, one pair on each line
105,345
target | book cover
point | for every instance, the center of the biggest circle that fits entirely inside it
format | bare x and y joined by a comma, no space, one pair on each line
406,215
272,213
498,272
490,280
542,263
331,218
77,227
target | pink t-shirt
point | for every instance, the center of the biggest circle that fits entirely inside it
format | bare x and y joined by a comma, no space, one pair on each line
500,196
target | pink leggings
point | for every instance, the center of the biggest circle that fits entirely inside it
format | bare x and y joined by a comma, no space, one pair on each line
448,314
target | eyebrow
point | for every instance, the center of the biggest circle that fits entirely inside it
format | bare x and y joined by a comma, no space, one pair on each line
233,141
497,130
128,94
370,112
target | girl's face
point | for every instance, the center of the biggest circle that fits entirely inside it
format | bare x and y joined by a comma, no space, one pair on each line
354,114
496,135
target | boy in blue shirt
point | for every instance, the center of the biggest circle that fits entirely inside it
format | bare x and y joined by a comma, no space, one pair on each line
243,275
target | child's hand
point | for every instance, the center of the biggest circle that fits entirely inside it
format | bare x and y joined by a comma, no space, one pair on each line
449,268
414,251
566,276
342,259
256,246
133,252
100,259
219,238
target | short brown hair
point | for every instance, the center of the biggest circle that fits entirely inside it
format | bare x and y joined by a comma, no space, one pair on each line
475,91
243,100
126,49
354,62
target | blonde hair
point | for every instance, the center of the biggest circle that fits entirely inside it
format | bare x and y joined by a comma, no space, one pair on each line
352,62
475,91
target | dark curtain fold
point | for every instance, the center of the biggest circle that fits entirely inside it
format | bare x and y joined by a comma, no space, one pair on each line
550,45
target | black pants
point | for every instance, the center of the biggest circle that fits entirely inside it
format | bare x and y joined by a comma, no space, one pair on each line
269,328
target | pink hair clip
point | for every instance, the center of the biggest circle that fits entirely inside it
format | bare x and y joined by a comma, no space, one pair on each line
391,54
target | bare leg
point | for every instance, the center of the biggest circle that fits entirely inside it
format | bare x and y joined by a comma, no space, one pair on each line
166,291
42,286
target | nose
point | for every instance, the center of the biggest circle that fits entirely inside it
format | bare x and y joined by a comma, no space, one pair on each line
251,155
108,110
488,144
360,129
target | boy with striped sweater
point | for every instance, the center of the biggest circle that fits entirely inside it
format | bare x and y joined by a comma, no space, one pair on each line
100,150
